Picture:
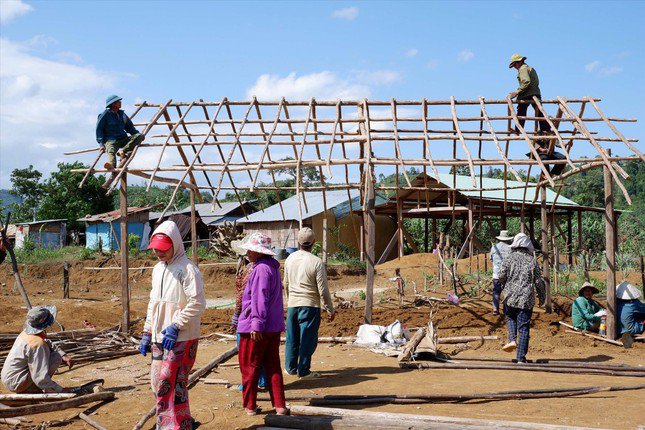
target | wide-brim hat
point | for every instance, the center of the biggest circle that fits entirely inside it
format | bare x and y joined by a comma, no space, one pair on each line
594,290
258,242
236,245
626,291
111,99
39,318
522,241
504,235
515,58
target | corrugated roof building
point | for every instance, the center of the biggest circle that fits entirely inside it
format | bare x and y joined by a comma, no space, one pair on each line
281,221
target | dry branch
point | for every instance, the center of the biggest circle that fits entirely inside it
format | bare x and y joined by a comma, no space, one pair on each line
55,406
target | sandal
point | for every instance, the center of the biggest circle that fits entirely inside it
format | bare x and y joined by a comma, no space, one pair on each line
251,412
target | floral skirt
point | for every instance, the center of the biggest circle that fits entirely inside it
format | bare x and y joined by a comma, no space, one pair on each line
169,379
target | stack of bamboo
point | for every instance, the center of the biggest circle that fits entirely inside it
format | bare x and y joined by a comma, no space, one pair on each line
83,346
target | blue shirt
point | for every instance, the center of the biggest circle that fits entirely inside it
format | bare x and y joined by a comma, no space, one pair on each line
112,126
498,253
631,314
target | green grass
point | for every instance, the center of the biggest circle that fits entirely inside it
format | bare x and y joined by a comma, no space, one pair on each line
39,255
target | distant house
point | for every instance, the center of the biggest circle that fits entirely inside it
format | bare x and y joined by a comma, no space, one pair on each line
344,227
222,212
50,233
106,228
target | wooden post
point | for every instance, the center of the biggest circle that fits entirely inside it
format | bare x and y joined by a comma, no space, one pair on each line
100,246
370,231
362,237
193,227
545,249
434,233
425,235
570,238
580,238
471,235
502,222
66,280
439,257
125,288
532,226
610,253
399,221
643,274
324,239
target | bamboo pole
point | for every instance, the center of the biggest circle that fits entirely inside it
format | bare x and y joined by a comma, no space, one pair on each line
55,406
455,122
610,254
615,130
124,249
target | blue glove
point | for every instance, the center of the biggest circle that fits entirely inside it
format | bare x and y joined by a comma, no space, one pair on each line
144,345
170,334
235,318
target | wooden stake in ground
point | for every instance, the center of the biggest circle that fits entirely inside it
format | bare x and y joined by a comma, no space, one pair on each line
125,288
610,253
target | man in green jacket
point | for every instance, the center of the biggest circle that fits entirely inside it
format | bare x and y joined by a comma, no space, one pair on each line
529,86
584,309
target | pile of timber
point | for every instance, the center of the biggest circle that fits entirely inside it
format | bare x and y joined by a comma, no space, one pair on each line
83,346
47,402
316,418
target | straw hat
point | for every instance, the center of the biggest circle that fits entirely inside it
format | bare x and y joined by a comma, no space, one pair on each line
594,290
258,242
626,291
39,318
504,236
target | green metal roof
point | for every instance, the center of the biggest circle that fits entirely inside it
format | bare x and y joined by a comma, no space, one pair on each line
465,183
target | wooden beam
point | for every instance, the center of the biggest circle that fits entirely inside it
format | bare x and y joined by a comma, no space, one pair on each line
193,228
545,249
124,249
610,253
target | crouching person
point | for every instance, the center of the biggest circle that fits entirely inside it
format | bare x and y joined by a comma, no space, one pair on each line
171,330
585,308
33,359
630,312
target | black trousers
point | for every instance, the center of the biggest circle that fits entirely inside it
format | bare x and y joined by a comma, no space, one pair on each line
521,111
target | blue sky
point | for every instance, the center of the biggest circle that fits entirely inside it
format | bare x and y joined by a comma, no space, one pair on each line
59,60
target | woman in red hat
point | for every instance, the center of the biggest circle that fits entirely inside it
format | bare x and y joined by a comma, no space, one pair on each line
171,330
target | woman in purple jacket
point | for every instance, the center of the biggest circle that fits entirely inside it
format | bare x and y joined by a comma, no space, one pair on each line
260,325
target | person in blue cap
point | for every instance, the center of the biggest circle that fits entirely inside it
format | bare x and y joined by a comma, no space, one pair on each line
112,129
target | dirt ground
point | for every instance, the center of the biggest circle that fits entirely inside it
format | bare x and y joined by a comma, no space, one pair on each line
95,297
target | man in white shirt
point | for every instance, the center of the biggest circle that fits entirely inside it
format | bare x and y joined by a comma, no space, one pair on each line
305,282
498,253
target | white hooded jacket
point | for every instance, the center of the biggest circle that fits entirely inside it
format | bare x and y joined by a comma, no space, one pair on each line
177,295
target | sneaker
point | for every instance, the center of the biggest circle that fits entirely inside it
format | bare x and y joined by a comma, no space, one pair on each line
510,347
251,412
286,372
311,375
627,339
496,313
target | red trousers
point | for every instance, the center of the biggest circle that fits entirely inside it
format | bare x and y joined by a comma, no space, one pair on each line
253,356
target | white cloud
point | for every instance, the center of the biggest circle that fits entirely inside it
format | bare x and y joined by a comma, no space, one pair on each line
324,85
610,70
11,9
378,77
432,64
465,56
412,52
46,107
348,13
597,66
592,66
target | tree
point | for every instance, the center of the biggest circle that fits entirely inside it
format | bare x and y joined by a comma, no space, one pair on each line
26,185
62,198
310,174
